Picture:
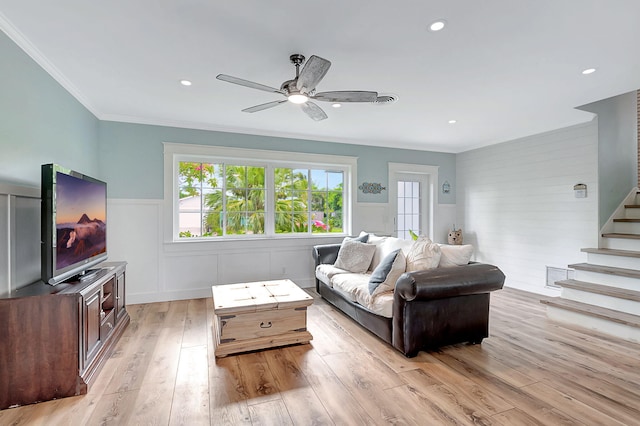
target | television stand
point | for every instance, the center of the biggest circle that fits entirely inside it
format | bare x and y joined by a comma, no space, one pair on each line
54,340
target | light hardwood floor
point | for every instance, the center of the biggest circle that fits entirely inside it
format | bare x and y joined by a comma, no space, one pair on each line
530,371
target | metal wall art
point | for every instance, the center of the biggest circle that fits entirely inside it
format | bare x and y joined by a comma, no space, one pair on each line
371,188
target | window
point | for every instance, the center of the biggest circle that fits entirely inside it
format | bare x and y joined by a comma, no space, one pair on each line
217,199
308,200
263,193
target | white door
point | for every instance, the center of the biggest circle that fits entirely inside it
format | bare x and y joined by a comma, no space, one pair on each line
411,205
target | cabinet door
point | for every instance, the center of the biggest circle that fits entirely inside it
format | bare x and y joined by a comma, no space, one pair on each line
91,325
120,301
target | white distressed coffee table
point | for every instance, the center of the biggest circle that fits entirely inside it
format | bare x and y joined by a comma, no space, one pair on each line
259,315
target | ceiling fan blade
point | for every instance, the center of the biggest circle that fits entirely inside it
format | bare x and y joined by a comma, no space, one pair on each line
313,111
346,96
263,106
313,71
247,83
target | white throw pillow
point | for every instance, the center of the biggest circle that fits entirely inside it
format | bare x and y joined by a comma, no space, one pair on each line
393,244
377,255
354,256
455,255
424,254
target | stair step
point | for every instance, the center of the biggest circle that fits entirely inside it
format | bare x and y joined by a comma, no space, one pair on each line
612,252
610,270
619,235
605,290
594,311
627,220
632,206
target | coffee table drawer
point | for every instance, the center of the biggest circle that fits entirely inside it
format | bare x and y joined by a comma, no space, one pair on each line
261,324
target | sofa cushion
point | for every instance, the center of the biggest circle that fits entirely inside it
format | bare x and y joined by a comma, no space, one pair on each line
455,255
354,256
384,277
351,285
325,272
382,304
424,254
355,288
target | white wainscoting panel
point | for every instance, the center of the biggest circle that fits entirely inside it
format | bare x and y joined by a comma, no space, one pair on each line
294,265
5,272
25,259
19,237
516,204
244,266
158,270
190,273
134,235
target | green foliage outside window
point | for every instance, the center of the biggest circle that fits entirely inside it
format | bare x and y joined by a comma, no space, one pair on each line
230,200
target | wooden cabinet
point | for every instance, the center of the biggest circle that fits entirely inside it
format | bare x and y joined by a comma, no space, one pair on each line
55,340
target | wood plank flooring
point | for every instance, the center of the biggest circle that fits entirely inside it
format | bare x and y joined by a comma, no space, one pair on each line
531,371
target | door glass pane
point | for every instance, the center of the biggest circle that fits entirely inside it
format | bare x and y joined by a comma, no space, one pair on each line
408,214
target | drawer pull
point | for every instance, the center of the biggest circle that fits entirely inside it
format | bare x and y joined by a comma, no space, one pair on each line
265,325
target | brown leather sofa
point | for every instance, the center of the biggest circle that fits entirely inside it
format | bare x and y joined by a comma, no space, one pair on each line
431,308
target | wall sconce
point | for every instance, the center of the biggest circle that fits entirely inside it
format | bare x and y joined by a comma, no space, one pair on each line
580,190
446,188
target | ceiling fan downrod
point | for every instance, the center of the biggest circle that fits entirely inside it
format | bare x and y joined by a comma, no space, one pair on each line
297,60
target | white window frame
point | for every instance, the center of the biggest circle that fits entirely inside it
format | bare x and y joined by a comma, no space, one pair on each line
175,153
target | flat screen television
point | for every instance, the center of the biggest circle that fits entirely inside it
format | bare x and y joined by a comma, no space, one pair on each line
74,223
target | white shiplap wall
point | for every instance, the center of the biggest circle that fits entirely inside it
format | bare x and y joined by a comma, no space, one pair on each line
516,204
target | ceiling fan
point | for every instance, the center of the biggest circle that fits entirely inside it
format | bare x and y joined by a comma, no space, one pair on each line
302,89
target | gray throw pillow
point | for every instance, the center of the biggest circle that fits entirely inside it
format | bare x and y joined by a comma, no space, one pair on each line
364,238
379,275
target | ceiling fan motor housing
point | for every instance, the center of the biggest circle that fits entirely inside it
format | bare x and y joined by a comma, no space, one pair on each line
297,59
289,87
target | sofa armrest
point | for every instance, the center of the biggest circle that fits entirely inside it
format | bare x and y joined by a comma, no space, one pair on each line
452,281
326,253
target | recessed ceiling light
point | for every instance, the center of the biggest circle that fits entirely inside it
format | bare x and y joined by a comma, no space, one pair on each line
453,121
437,25
185,82
589,71
336,105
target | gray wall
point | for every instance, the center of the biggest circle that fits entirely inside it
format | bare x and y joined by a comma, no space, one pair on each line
131,157
40,122
617,150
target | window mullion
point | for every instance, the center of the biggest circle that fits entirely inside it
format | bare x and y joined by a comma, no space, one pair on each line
269,200
224,198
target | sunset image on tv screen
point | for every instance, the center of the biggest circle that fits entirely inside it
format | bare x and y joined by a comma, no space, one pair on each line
81,212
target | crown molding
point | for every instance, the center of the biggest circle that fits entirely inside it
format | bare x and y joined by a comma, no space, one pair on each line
39,58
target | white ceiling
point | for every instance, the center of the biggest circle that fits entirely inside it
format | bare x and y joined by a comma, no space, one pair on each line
503,69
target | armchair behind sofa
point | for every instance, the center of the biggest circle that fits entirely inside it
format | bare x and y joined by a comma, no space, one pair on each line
431,308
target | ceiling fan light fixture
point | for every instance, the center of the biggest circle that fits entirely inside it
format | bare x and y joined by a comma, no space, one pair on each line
297,98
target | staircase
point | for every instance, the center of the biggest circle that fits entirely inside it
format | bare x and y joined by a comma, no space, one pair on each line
605,292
